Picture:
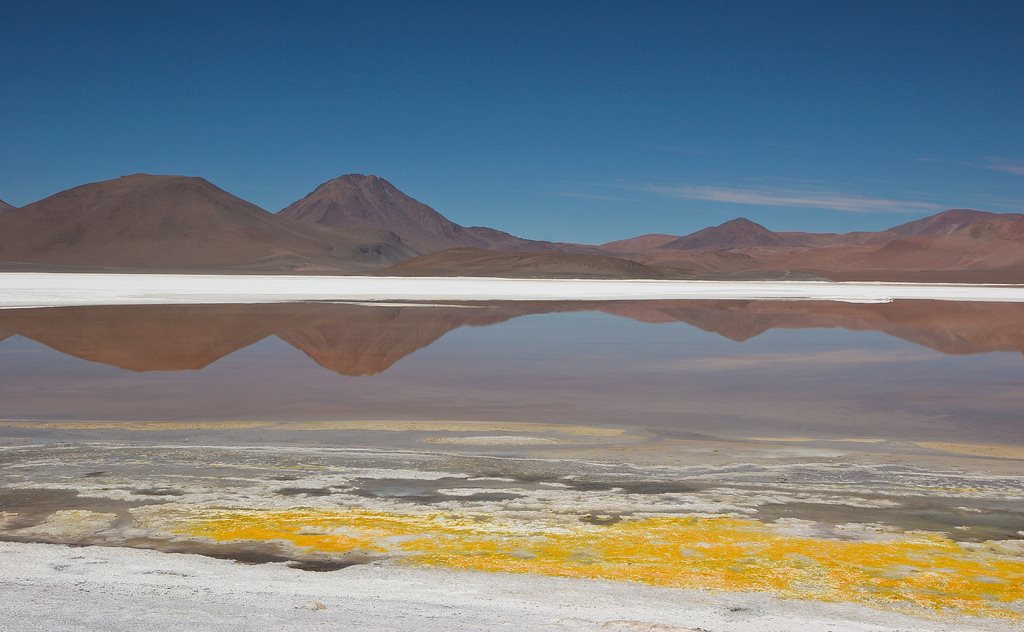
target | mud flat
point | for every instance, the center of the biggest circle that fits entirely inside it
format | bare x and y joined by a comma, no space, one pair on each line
96,588
25,290
464,525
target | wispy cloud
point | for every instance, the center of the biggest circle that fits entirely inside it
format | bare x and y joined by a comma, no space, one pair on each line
1016,167
595,196
992,163
794,198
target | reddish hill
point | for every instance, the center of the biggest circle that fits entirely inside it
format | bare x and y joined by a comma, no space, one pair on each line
965,223
371,202
736,233
4,206
180,223
702,263
959,245
488,263
643,243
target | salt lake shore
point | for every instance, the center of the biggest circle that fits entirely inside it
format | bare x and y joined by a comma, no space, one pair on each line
56,587
31,289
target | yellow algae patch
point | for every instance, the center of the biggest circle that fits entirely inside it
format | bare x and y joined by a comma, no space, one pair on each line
913,570
975,449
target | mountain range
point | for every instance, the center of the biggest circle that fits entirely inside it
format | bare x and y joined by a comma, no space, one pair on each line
957,245
362,224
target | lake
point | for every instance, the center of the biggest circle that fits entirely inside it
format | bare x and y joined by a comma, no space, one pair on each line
802,439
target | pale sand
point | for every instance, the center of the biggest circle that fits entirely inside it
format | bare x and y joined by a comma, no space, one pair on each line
54,587
494,440
29,289
373,426
975,449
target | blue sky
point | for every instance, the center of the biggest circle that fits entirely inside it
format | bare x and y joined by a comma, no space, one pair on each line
586,121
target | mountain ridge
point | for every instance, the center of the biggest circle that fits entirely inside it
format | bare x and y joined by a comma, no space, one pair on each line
364,224
178,222
370,201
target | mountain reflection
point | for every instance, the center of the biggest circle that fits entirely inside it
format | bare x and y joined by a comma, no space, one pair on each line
367,340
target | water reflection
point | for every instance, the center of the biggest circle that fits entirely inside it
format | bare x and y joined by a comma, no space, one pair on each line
366,340
911,370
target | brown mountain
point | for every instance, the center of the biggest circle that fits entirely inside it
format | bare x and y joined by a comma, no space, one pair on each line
489,263
708,264
964,223
737,233
180,223
358,224
643,243
357,201
960,245
4,206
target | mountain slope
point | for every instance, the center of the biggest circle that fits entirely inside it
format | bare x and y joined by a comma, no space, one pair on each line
180,223
488,263
4,206
737,233
964,223
641,243
371,202
959,245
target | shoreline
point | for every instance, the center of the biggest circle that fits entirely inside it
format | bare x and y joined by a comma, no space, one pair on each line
32,290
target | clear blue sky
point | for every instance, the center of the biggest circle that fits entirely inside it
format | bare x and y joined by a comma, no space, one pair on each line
585,121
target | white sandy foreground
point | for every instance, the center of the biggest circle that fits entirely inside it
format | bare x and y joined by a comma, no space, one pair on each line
55,587
30,289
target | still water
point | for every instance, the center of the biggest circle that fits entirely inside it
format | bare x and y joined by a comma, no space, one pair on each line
919,370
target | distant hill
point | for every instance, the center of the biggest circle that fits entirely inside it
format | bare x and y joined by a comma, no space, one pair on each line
965,223
737,233
959,245
4,206
642,243
475,262
357,201
180,223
